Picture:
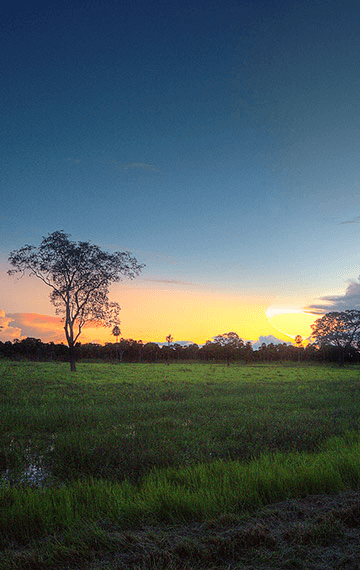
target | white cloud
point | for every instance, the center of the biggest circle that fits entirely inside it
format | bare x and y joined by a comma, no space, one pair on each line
268,340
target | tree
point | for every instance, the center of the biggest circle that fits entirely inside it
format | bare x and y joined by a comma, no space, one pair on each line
151,351
169,340
339,329
116,331
191,351
299,345
298,340
122,347
228,345
79,275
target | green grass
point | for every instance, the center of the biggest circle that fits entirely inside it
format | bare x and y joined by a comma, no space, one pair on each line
118,422
136,444
172,495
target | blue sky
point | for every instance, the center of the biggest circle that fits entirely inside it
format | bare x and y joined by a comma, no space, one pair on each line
217,141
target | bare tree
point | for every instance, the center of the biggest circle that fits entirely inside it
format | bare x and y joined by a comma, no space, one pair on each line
79,275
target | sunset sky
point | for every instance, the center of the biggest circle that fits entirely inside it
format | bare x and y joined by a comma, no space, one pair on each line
217,141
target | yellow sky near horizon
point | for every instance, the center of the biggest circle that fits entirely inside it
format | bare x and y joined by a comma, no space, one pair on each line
151,311
199,315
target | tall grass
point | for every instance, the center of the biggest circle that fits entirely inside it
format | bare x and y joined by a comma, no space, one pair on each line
175,495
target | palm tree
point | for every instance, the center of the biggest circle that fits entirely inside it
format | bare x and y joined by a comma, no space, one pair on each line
116,332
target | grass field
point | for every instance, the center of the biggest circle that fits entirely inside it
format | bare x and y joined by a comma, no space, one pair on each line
87,460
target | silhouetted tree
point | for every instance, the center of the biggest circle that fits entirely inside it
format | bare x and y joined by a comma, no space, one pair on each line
169,340
191,351
227,346
140,345
79,275
151,351
338,329
248,352
298,340
299,345
116,333
122,347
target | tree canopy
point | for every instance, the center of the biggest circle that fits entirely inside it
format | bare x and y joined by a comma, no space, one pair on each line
338,329
79,275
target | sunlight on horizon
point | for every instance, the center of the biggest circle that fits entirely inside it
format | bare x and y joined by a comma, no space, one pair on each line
291,321
151,313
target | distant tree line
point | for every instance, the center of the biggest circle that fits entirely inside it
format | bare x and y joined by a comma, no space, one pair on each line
335,336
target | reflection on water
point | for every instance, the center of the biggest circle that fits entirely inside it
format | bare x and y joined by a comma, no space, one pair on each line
28,465
34,474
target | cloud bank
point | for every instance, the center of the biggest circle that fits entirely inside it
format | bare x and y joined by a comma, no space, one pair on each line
330,303
45,327
8,330
22,325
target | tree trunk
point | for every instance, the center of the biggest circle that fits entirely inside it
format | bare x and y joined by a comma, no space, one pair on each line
72,358
342,356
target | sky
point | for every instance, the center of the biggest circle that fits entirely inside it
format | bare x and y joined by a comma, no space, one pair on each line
217,141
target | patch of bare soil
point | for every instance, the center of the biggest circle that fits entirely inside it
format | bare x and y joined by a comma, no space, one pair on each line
319,532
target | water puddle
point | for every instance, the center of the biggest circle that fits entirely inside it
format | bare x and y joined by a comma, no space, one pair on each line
27,465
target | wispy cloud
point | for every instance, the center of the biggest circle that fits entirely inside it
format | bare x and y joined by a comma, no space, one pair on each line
350,300
141,165
130,165
169,281
355,220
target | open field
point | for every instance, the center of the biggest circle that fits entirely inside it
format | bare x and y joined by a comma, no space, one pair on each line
98,462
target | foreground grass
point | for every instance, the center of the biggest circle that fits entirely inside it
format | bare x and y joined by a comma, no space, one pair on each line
173,495
120,447
84,519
